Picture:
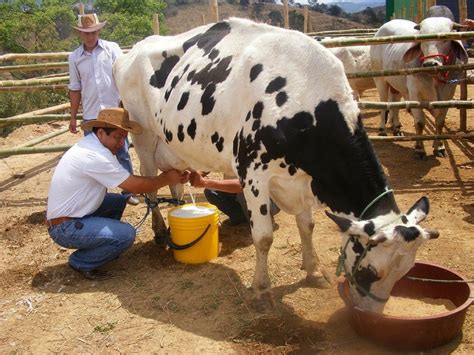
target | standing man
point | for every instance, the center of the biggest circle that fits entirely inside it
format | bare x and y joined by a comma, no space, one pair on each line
81,214
91,80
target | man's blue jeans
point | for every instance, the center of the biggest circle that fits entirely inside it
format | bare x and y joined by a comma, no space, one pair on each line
99,237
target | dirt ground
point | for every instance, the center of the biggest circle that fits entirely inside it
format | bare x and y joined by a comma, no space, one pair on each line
155,304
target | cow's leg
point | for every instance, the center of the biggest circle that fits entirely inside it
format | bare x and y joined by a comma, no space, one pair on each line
383,89
396,125
419,117
262,234
439,149
315,276
145,146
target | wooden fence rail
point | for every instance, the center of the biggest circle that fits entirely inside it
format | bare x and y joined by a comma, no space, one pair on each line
36,119
33,67
416,104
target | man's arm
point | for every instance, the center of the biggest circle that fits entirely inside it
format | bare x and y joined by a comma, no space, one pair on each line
226,185
75,100
142,184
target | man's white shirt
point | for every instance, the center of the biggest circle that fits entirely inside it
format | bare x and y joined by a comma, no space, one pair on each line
81,179
91,74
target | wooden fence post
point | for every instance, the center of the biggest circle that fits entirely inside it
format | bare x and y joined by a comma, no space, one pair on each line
306,17
463,85
156,24
214,10
286,19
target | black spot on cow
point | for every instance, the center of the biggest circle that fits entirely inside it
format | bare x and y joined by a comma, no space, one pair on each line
209,39
249,114
257,110
235,145
218,141
255,191
158,79
281,98
168,135
369,228
181,133
191,75
264,166
292,170
257,165
255,125
404,219
174,82
208,78
208,100
183,101
214,54
192,129
220,144
275,85
250,181
264,209
282,165
409,234
365,277
255,71
156,114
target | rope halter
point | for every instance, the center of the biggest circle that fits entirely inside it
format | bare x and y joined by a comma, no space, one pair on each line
341,265
446,60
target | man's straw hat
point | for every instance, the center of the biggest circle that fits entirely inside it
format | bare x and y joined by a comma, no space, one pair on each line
114,117
89,23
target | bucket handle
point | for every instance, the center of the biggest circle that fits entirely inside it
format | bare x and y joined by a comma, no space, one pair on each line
174,246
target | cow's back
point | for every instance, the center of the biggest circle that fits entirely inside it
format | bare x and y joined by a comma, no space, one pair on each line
199,90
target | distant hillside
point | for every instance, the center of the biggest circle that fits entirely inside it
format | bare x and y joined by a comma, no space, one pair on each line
351,7
185,17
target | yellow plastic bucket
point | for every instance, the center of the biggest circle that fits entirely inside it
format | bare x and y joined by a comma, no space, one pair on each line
194,232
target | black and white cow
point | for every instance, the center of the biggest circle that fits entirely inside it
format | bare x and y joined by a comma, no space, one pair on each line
274,108
419,87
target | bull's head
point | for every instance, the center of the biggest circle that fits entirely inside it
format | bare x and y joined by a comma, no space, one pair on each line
436,53
376,253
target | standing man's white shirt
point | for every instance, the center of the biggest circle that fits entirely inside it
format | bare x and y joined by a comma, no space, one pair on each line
81,179
91,74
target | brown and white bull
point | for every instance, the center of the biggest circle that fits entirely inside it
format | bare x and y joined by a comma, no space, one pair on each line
419,87
274,108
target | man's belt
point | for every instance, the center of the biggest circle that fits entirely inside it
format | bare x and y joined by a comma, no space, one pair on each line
56,221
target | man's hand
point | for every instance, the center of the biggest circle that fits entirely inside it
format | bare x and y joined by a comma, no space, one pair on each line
196,179
73,126
174,177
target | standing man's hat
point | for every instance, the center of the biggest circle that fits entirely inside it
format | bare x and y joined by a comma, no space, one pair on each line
89,23
113,118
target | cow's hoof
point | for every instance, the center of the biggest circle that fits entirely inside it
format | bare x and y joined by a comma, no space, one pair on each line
161,238
440,153
318,281
420,155
398,133
382,133
265,303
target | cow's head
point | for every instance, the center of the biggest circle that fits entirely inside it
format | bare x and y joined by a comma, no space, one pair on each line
376,253
436,53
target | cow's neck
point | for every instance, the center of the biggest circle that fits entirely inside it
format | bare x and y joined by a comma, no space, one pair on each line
347,175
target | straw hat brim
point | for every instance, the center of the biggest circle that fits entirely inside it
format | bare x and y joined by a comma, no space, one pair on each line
134,127
92,28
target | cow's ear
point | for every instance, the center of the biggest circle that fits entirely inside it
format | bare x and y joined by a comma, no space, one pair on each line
347,225
459,51
412,53
419,210
417,27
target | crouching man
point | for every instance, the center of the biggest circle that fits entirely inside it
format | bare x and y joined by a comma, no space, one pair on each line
81,214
